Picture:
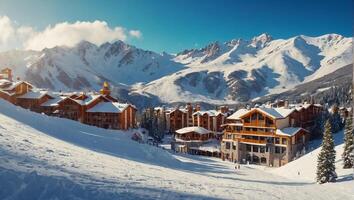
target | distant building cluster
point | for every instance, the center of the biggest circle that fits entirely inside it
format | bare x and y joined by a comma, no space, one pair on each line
272,134
96,108
195,131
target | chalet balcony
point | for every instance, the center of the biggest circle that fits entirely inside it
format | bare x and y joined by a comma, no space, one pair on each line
258,123
252,141
258,132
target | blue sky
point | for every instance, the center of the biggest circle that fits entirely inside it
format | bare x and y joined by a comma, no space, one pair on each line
176,25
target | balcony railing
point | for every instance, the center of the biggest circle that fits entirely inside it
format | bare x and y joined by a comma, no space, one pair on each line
253,141
259,123
258,132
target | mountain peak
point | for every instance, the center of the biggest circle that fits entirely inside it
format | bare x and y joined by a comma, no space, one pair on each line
85,44
261,40
263,37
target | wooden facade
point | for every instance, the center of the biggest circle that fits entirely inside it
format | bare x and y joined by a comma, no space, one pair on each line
70,106
186,117
269,136
6,73
196,141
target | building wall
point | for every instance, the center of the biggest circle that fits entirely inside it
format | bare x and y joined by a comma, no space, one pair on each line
248,144
282,123
32,104
178,120
70,110
102,120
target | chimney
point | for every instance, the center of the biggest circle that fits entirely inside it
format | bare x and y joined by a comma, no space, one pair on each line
286,104
224,109
189,107
197,107
18,78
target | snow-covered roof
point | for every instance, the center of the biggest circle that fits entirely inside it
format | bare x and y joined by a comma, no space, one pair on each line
196,129
33,95
276,113
109,107
4,82
238,113
289,131
15,84
89,99
53,102
208,112
175,109
232,124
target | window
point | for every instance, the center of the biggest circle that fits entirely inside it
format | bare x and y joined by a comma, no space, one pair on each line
260,117
247,120
248,147
283,140
269,121
262,149
270,140
234,147
227,145
263,160
255,148
254,116
277,141
277,149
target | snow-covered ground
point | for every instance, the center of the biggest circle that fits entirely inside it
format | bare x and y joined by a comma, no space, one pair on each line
43,157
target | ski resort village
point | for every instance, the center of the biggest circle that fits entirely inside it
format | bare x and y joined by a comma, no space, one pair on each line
186,151
178,99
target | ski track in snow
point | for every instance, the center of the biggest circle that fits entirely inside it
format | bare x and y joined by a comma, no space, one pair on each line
43,157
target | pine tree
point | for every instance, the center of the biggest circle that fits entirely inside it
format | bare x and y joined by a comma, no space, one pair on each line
352,153
326,158
348,144
161,124
318,128
336,120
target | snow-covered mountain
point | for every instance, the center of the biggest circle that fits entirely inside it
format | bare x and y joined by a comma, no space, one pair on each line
86,66
237,70
242,70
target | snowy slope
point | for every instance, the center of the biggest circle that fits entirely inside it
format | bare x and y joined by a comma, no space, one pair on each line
43,157
306,165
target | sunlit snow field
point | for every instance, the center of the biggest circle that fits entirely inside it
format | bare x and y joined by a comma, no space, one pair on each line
43,157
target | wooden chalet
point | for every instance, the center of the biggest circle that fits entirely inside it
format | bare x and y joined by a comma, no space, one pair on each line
97,109
187,117
197,141
210,120
267,135
6,73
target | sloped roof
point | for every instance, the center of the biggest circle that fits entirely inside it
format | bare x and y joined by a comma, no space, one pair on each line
15,84
196,129
208,112
33,95
53,102
238,113
109,107
90,98
289,131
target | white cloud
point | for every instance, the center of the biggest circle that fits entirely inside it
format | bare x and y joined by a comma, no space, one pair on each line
135,33
68,34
